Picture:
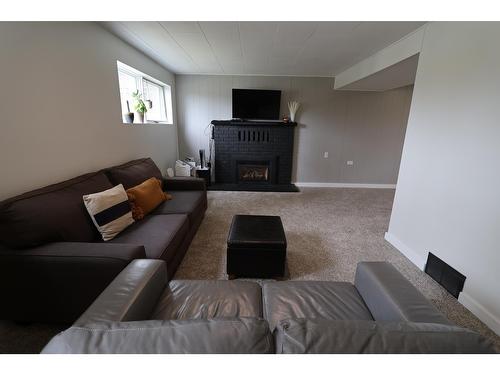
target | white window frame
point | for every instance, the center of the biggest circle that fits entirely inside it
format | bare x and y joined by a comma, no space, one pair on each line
166,92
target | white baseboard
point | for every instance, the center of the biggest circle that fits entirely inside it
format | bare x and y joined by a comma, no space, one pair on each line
470,303
344,185
417,259
480,311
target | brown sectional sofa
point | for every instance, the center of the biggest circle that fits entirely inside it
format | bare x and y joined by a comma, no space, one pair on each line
53,263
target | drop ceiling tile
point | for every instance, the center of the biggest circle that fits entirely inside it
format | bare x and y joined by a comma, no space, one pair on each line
295,48
295,33
235,68
224,40
370,37
257,38
180,27
197,47
150,38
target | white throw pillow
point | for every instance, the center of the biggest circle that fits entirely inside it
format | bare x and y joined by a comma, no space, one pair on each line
110,211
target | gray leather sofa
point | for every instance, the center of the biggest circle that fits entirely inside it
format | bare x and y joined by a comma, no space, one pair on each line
382,312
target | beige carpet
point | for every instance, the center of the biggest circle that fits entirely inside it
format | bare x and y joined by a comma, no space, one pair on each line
328,232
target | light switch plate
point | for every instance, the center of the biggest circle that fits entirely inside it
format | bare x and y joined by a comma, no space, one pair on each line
350,162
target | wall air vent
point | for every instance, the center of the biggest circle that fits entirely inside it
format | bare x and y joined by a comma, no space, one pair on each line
452,280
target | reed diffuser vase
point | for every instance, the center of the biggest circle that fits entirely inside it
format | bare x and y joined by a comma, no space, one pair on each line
293,107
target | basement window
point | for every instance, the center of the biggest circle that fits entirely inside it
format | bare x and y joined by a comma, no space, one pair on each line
155,95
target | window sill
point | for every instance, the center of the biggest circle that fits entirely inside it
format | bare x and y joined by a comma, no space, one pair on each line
148,123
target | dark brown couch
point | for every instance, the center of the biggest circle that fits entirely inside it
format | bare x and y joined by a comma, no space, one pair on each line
53,263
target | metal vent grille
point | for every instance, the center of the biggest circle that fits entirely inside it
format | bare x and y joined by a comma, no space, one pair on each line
452,280
258,136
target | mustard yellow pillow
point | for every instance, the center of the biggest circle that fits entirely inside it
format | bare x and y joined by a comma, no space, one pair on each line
145,197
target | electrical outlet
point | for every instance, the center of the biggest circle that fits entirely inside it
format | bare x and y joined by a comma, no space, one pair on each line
350,162
325,155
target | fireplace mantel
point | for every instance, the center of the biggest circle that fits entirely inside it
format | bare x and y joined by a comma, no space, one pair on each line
252,123
255,143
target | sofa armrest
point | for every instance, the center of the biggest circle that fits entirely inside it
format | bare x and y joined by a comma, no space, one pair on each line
132,295
391,297
58,281
184,183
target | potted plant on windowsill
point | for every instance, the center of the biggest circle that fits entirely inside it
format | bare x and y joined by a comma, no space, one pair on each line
139,106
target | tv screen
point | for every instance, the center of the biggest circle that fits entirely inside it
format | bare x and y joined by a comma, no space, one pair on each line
256,104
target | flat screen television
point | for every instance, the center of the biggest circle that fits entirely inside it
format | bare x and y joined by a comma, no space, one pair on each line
256,104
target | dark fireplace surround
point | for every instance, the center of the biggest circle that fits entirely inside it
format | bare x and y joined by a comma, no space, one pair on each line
253,155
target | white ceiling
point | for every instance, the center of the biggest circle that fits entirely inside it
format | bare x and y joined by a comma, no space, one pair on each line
260,48
398,75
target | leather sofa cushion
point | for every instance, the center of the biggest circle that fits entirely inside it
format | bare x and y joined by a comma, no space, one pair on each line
134,172
230,336
54,213
192,203
209,299
357,337
160,235
312,299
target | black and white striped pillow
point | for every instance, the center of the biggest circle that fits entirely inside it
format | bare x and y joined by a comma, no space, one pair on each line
110,211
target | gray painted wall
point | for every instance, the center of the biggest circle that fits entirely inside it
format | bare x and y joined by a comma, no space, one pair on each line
60,105
447,198
366,127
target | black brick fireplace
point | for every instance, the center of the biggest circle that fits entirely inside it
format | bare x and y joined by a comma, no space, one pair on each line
253,155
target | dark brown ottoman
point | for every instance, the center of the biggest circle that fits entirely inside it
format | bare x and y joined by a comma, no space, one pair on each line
256,247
